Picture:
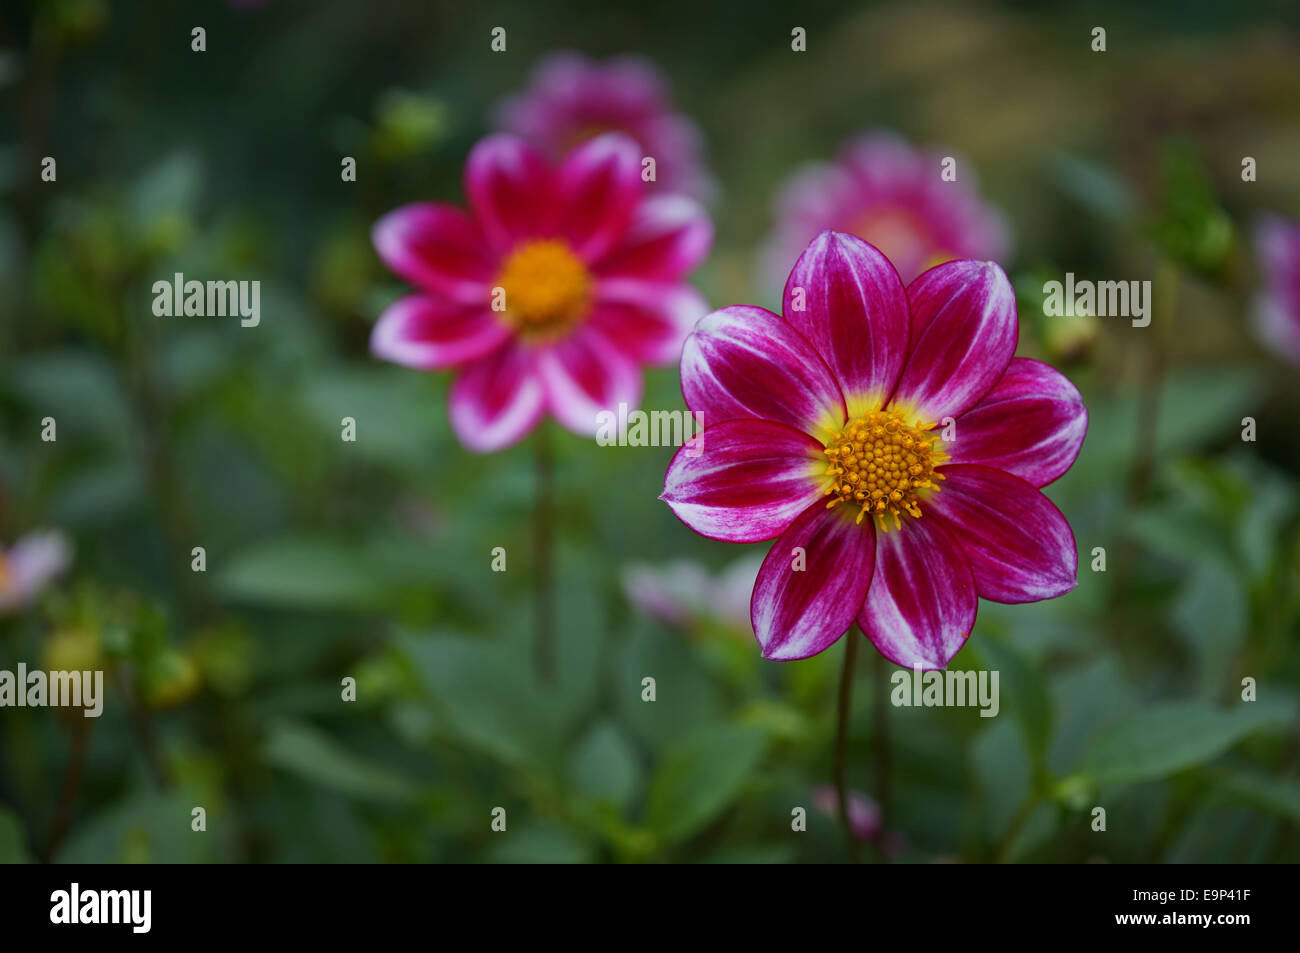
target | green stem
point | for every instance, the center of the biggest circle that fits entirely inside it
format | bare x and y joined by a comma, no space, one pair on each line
544,544
884,769
841,738
1014,827
142,729
1144,455
71,784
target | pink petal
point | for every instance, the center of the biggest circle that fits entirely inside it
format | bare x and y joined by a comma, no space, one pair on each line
1019,546
509,186
800,613
635,79
668,236
437,247
678,593
854,314
921,605
1031,423
31,564
964,330
1277,311
746,362
1278,327
864,815
496,400
583,375
742,481
431,333
598,188
647,320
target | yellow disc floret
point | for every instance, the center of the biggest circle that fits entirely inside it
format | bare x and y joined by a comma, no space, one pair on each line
545,287
880,463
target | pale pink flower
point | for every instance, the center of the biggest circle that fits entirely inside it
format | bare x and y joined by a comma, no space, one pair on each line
892,195
28,567
572,98
1277,315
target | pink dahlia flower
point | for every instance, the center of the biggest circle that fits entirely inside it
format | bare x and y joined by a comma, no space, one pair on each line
549,293
891,195
892,445
572,98
1278,314
29,566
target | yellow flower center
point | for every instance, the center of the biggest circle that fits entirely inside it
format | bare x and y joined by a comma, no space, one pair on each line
881,464
546,287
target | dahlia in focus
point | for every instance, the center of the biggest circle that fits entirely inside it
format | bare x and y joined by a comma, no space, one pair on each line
890,443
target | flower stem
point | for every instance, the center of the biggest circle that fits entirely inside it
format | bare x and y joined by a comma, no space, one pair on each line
1015,826
544,606
142,728
1144,457
841,738
71,783
884,770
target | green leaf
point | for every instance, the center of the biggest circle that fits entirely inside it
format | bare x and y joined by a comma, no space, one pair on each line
580,626
394,425
750,855
489,697
685,696
1189,223
147,827
1196,406
1272,500
303,574
80,389
1211,614
1222,834
604,767
317,758
538,843
1280,796
1004,773
1180,531
1024,690
13,847
1169,737
700,776
1086,698
1095,187
171,184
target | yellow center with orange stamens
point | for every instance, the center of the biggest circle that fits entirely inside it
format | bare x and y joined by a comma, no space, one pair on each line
546,287
881,464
